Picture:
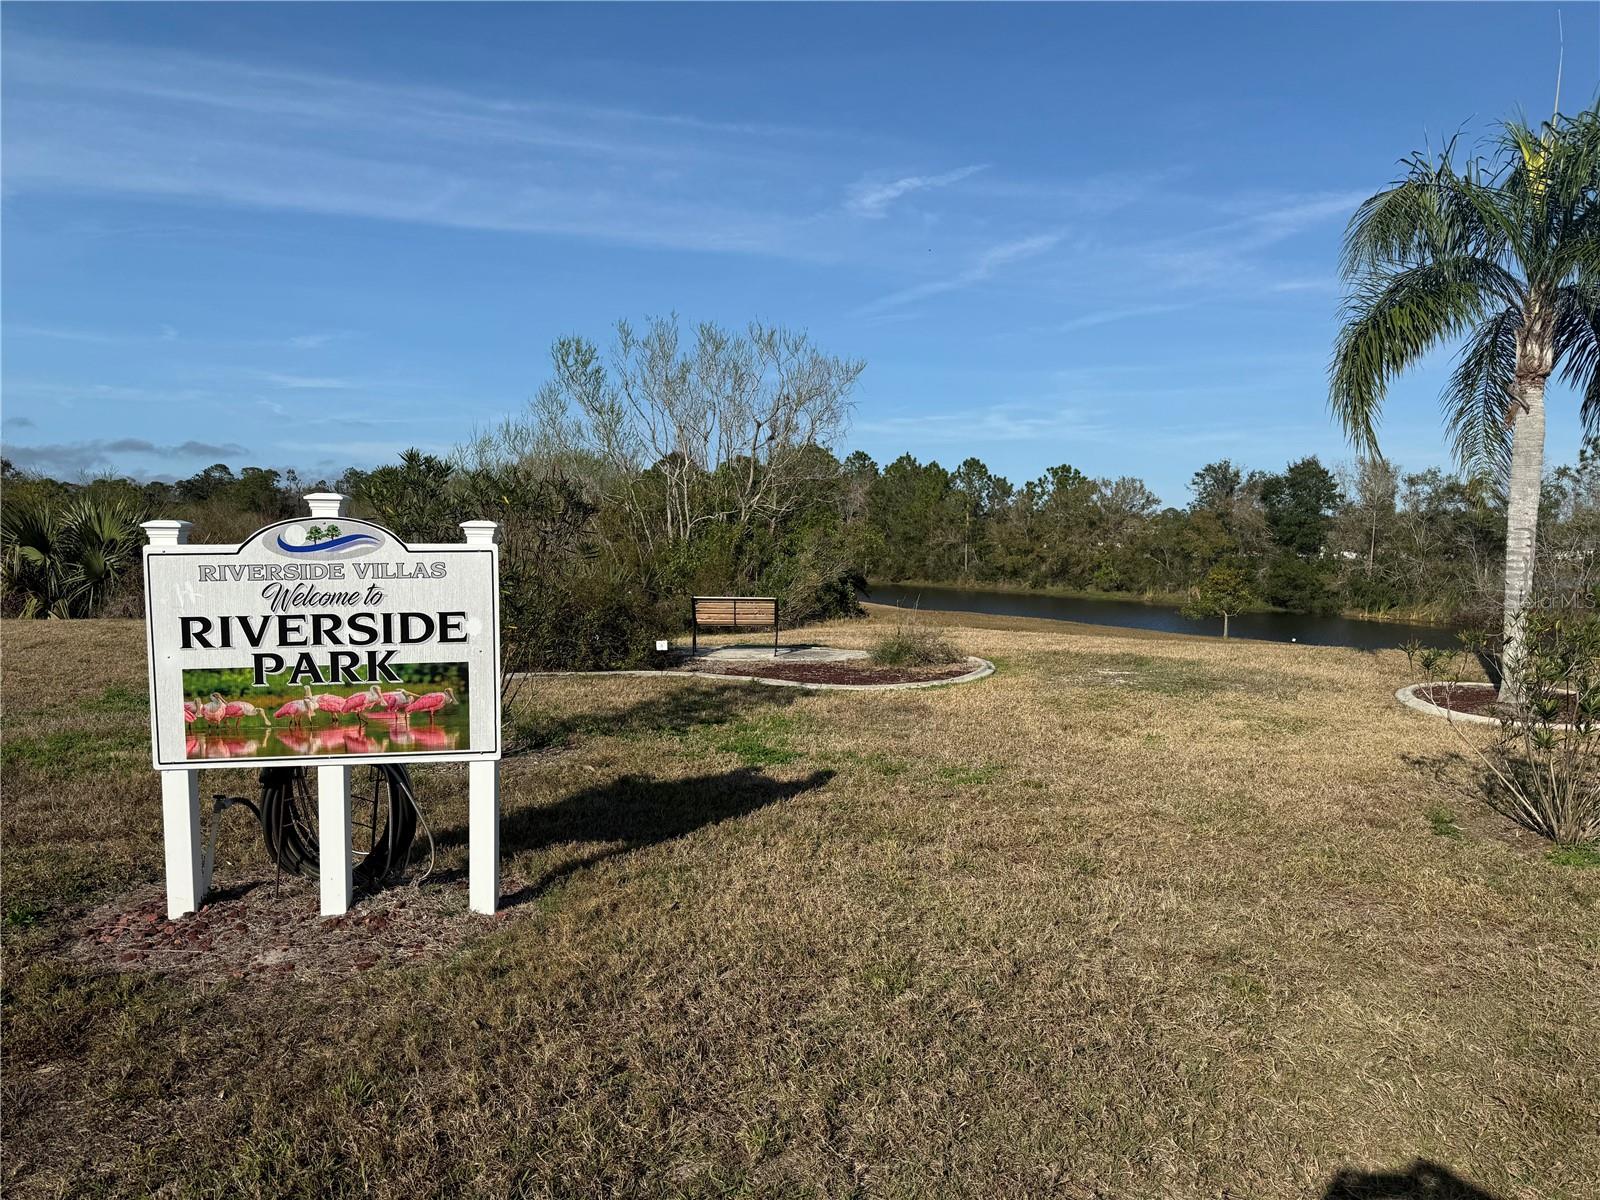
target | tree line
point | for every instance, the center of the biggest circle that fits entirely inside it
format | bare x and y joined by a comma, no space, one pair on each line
708,461
1366,538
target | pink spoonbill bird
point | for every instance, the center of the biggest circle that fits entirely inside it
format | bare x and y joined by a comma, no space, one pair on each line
214,709
237,710
397,700
432,703
294,712
326,702
361,701
191,712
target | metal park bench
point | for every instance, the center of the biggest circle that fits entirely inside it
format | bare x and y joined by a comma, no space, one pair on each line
732,612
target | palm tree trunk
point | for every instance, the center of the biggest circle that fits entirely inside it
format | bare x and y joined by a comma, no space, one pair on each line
1522,523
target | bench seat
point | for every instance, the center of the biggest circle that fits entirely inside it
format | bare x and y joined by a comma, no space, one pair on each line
732,612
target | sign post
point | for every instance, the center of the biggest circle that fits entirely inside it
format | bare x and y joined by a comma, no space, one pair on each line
325,643
483,784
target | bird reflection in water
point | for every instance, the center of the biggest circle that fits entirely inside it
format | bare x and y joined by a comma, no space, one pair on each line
357,742
373,737
330,739
435,737
228,747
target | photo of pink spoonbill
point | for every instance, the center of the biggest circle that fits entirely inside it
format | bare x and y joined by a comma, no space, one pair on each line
425,708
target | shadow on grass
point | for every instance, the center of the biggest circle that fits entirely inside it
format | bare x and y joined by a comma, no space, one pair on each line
632,813
1449,767
676,712
1423,1180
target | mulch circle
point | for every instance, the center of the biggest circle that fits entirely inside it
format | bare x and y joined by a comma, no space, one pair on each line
835,672
250,930
1478,700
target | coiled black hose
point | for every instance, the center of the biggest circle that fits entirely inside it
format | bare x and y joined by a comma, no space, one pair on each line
287,808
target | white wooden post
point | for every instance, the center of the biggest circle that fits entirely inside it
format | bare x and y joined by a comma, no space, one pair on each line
333,840
180,790
483,835
327,504
180,824
483,793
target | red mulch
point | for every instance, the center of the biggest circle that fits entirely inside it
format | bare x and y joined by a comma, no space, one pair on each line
247,931
1476,700
836,672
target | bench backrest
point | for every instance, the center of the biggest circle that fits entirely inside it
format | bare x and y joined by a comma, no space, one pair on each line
735,612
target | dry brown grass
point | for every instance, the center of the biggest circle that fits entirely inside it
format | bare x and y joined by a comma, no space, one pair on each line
1136,916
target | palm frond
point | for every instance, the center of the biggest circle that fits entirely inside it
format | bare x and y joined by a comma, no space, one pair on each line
1391,322
1550,194
1578,347
1433,212
1477,401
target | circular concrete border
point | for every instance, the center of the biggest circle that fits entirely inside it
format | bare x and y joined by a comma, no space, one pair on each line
1408,696
982,670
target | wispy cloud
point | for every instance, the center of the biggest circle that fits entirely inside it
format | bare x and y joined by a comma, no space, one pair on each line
1012,422
69,459
872,199
1112,315
313,341
87,117
89,336
170,333
1326,284
983,267
1230,248
312,383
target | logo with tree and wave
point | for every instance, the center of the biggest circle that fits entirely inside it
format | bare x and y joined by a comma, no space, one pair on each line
324,539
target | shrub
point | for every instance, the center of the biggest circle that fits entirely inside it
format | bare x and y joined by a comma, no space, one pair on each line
1543,768
68,558
912,644
1547,758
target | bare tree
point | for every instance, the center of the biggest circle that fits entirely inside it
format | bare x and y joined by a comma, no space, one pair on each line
724,430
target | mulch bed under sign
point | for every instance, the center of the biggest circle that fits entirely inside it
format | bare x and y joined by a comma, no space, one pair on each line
251,929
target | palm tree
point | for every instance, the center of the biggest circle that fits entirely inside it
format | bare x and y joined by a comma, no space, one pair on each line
1505,254
65,559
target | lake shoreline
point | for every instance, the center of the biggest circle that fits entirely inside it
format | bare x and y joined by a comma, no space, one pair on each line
1261,624
1153,599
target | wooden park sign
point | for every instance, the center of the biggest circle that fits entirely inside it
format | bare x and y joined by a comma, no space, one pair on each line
324,642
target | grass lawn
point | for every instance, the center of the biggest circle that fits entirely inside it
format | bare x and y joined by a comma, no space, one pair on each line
1138,916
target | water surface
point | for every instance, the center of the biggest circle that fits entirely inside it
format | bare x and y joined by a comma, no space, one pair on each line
1271,627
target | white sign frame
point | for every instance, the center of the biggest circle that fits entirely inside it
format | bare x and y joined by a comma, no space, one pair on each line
188,875
165,671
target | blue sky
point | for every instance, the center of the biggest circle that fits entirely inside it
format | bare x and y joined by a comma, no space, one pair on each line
313,235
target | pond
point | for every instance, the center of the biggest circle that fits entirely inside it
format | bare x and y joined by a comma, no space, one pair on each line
1271,627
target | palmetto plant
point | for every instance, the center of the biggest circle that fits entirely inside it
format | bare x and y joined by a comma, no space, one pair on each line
66,559
1502,252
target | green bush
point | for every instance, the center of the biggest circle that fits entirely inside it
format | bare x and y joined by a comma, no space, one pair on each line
68,557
